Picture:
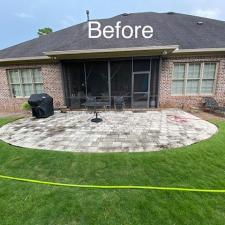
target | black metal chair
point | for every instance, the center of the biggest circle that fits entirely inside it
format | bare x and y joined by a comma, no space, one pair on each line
89,100
75,102
210,104
119,103
105,100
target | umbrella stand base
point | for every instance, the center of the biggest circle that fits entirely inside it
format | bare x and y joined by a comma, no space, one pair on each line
96,120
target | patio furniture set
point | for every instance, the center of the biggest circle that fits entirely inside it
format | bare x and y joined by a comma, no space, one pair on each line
42,105
94,104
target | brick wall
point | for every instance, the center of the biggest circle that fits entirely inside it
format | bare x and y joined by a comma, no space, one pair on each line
53,86
167,100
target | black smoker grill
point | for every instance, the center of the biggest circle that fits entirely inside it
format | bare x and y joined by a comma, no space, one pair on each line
42,105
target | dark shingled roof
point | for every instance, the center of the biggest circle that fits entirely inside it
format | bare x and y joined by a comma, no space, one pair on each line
169,29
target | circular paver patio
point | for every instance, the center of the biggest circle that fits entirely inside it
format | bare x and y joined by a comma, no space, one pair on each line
119,132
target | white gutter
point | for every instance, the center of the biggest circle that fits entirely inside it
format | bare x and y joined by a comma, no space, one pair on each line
199,50
24,58
147,48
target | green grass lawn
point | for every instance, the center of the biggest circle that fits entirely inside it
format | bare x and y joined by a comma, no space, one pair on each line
201,165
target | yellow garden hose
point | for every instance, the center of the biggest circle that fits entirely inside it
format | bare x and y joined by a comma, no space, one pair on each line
112,187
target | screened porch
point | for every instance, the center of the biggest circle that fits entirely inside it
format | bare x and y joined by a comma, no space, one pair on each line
136,80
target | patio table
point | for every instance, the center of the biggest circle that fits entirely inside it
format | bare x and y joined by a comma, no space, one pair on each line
96,105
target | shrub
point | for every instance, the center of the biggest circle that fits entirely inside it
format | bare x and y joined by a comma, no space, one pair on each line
26,106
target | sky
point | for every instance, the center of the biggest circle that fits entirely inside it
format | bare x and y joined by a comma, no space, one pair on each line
21,19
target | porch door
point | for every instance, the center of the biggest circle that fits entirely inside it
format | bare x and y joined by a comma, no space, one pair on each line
141,86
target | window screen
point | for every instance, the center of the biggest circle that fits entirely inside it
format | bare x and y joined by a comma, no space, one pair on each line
25,82
178,79
208,79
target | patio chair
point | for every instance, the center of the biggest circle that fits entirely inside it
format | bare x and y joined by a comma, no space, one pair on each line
211,105
89,100
106,101
75,102
119,102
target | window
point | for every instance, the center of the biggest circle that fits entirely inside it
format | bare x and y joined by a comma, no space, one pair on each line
25,82
193,78
178,79
208,78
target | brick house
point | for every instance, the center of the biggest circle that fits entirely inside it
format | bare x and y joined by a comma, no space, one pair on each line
183,62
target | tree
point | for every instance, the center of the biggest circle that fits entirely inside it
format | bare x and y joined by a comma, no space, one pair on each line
44,31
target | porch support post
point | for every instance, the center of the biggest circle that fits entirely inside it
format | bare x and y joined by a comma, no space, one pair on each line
85,78
159,81
109,82
132,81
149,82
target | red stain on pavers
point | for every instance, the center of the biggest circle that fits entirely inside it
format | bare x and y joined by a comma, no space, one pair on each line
177,119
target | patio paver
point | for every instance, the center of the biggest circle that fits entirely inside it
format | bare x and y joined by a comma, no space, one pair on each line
120,131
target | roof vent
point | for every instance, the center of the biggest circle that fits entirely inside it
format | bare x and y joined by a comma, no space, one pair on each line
200,23
171,13
125,14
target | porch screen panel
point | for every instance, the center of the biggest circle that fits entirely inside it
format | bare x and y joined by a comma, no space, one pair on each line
141,65
121,76
154,83
76,79
97,78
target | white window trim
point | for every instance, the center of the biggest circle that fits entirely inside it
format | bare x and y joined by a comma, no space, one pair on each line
21,83
178,79
202,64
197,79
